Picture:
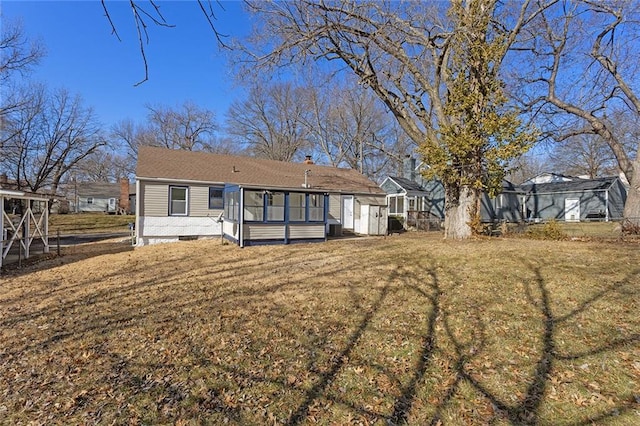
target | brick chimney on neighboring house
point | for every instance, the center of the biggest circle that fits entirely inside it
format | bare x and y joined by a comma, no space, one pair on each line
124,194
308,160
3,180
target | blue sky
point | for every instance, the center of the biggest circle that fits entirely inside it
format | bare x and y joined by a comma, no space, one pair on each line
185,62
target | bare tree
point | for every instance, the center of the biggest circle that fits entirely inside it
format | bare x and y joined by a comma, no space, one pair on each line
17,53
349,127
585,154
271,121
47,137
150,13
188,127
414,56
526,166
104,165
585,68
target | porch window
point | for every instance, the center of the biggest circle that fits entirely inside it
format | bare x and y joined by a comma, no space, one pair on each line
231,205
216,202
316,207
400,205
254,206
297,207
396,204
178,200
275,206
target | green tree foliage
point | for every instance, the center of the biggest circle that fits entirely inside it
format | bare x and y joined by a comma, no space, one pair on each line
482,134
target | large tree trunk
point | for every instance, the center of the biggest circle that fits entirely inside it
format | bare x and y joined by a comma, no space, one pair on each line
460,209
632,205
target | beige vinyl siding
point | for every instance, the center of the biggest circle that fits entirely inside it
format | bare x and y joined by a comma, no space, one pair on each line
306,231
263,232
335,207
199,201
155,200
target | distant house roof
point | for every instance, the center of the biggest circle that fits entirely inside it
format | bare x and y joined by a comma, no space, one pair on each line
547,177
407,184
161,163
575,185
99,189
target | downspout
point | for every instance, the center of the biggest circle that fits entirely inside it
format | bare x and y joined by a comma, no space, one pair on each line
326,214
606,206
138,221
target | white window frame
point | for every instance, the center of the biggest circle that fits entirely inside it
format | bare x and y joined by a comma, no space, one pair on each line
171,201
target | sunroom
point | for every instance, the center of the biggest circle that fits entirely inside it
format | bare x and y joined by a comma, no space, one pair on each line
257,215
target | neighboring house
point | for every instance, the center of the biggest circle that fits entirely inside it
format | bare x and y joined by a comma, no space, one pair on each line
544,197
504,207
188,195
410,195
93,197
573,199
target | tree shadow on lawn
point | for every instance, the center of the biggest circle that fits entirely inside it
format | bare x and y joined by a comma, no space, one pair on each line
225,312
527,410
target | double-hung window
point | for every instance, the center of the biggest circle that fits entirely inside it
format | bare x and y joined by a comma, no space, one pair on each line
178,196
216,202
297,207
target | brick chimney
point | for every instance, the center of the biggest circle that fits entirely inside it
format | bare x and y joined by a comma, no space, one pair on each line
124,194
308,160
3,179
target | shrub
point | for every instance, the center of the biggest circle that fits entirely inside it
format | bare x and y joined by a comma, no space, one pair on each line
551,230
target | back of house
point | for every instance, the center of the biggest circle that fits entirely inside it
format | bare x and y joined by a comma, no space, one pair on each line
190,195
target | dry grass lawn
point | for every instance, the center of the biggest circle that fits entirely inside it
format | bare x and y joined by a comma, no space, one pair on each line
88,223
404,330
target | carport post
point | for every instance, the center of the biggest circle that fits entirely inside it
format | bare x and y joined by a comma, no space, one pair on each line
26,230
45,227
1,229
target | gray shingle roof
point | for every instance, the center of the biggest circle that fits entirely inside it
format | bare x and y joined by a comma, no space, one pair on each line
407,184
99,189
161,163
576,185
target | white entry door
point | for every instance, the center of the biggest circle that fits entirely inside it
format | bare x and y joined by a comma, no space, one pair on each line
572,209
347,212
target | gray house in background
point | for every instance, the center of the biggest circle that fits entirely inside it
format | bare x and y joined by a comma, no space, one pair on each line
504,207
547,196
410,197
96,197
573,199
